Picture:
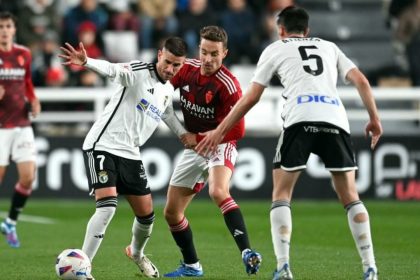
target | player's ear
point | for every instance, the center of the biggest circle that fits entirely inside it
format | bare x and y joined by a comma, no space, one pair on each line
281,31
225,52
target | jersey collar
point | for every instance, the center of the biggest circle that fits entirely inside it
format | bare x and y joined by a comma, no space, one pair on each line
156,74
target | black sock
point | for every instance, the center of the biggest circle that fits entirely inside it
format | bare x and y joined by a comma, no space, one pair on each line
236,225
184,240
18,202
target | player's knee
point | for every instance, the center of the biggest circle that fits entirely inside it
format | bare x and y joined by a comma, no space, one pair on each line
218,195
26,182
172,215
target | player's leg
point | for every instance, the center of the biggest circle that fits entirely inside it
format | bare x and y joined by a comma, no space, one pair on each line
100,170
24,154
336,151
106,205
142,206
281,220
178,198
358,219
292,153
187,180
218,180
133,184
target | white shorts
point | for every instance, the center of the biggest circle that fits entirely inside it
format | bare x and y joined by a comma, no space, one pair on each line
18,144
192,169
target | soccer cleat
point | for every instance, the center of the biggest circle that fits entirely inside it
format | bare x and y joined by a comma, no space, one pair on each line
146,267
283,274
9,231
370,274
252,261
185,271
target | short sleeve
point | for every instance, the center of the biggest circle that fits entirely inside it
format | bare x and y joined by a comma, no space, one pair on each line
265,69
344,65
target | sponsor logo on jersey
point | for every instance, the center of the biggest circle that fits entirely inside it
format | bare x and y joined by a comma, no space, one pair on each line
12,73
316,129
149,109
103,177
186,88
317,99
197,110
143,105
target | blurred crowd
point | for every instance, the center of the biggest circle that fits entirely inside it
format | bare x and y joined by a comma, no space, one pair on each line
121,30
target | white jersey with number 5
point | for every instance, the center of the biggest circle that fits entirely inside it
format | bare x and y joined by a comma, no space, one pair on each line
308,69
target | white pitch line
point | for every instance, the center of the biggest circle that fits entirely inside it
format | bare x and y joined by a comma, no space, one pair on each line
31,218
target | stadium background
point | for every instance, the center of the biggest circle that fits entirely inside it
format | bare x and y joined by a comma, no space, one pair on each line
363,29
56,216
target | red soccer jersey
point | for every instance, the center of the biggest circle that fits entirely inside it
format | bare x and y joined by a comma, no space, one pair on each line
206,100
15,77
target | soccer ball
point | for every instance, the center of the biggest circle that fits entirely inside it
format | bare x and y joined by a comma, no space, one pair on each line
73,264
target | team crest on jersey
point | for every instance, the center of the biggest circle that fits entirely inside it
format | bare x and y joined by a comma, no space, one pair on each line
143,105
103,177
21,60
209,96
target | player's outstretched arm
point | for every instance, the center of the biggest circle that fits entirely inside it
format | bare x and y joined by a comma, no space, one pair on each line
373,127
73,56
212,138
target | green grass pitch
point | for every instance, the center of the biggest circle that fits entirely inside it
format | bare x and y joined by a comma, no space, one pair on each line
322,247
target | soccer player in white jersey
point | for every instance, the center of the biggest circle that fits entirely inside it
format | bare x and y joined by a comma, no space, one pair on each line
111,148
315,121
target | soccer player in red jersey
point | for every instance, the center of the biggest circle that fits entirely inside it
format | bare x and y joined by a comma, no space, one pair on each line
208,91
16,134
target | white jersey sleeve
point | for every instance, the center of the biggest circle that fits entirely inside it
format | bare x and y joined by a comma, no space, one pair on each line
344,65
171,120
125,74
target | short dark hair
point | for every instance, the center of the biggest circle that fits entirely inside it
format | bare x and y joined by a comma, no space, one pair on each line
176,46
8,15
214,33
294,19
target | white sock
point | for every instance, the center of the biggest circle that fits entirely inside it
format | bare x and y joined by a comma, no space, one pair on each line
361,234
141,234
95,230
194,265
281,230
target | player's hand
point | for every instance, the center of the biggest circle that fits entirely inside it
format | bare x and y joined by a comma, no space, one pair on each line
2,92
189,140
35,107
73,56
374,129
208,145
